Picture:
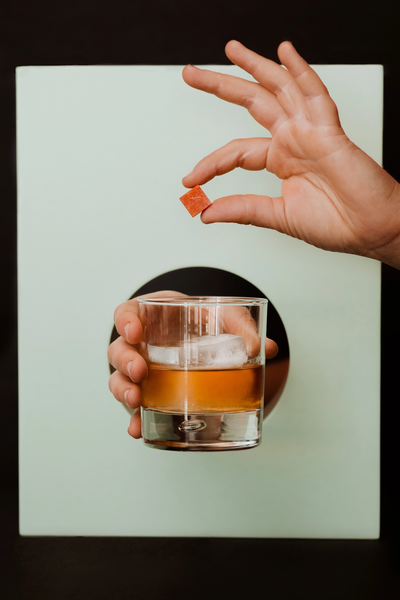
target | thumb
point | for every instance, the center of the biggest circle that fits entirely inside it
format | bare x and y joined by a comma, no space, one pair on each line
249,209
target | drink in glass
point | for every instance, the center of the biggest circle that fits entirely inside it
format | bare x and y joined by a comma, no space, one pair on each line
206,364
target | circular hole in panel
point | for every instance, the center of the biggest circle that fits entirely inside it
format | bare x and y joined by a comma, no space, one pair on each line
208,281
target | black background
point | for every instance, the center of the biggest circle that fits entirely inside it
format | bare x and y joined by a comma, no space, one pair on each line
55,32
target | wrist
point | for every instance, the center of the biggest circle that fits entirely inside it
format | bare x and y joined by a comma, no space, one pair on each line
388,249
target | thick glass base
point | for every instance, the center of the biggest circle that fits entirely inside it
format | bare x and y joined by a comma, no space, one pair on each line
201,432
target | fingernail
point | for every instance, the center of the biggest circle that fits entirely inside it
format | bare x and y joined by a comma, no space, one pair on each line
129,367
127,331
126,395
191,173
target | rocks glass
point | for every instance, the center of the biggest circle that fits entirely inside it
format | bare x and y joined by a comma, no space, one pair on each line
206,365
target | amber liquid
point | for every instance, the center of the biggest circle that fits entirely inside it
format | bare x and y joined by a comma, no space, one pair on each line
203,391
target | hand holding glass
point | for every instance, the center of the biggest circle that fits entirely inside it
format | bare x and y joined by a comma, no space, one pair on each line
206,363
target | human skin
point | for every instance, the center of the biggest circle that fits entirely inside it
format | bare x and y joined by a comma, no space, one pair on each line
131,368
334,196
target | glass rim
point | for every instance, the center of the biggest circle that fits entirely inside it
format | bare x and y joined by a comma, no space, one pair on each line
203,301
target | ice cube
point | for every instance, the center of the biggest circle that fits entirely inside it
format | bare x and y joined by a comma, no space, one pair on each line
223,351
163,355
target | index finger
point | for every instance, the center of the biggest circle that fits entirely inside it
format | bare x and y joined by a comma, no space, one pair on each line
128,317
127,321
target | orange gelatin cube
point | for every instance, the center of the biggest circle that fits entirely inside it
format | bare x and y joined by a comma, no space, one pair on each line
195,200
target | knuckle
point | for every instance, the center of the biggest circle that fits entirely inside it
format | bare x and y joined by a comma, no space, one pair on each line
123,314
235,143
247,212
136,367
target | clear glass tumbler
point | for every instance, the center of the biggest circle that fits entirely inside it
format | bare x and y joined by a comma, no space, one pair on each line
206,365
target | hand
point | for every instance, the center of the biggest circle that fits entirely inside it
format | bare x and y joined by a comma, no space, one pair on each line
334,196
131,368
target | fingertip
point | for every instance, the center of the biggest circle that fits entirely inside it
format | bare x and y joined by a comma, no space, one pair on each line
215,213
127,322
231,46
271,348
188,178
200,175
187,70
206,217
132,396
133,330
134,428
286,44
286,50
137,368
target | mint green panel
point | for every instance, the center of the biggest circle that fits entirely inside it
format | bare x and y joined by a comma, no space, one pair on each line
101,154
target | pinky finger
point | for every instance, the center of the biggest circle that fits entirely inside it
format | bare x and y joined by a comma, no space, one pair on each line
135,426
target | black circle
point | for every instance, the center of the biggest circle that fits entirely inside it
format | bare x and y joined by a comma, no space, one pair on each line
209,281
